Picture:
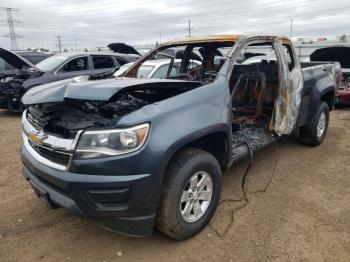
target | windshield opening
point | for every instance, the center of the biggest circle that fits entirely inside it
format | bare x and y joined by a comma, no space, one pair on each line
51,63
191,62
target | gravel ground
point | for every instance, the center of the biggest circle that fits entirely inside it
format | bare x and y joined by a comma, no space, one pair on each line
303,216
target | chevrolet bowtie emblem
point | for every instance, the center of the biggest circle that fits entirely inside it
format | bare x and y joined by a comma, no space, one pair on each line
35,138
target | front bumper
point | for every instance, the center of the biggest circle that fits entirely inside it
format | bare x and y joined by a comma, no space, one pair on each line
121,203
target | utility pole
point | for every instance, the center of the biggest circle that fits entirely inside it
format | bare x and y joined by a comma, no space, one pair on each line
189,28
76,46
291,29
11,24
59,42
160,36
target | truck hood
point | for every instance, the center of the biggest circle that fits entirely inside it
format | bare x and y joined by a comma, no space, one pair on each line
340,54
15,60
82,88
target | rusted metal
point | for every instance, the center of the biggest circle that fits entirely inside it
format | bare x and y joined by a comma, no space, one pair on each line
205,39
287,104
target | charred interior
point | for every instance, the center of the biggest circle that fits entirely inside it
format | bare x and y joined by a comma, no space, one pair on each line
254,85
66,118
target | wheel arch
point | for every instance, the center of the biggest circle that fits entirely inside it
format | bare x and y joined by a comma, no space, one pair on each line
329,97
214,140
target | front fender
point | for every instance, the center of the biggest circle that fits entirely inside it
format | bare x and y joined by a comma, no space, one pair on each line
184,118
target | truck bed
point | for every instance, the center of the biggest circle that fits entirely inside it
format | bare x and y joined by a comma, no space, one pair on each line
313,69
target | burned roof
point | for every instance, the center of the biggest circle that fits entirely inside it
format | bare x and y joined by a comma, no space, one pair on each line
213,38
208,38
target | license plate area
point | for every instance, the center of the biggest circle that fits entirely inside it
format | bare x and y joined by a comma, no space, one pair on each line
43,195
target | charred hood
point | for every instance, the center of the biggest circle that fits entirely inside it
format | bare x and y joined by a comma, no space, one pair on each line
63,108
98,90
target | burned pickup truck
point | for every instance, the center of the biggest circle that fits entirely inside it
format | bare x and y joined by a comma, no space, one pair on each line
133,153
24,75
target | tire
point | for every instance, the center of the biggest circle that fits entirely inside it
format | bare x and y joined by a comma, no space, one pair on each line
311,135
173,219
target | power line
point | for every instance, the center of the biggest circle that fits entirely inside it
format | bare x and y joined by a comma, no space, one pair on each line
207,6
203,16
11,24
210,13
281,23
59,42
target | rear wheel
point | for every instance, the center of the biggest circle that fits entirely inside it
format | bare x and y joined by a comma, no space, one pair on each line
314,133
191,193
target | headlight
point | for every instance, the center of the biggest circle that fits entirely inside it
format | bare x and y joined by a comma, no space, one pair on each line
102,143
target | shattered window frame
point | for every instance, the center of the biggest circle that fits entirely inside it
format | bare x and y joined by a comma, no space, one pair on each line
132,71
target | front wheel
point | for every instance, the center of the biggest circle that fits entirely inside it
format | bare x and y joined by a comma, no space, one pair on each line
191,193
314,133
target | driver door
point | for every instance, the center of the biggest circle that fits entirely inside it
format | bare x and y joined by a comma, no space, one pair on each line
287,106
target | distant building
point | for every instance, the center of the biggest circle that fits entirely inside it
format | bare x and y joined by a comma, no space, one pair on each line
304,40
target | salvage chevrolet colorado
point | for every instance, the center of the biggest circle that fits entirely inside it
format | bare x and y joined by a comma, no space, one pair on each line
134,153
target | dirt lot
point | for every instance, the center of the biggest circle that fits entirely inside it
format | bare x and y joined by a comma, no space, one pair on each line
303,216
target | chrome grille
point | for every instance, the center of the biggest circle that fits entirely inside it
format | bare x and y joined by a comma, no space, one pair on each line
49,150
57,157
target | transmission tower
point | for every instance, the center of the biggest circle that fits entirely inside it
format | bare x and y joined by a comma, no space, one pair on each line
11,24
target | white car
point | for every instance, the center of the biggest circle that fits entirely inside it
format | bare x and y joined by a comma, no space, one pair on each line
156,68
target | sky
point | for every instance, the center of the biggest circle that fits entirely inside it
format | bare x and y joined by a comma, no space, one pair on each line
89,24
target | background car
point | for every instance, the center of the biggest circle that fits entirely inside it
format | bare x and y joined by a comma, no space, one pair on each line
24,75
67,65
343,95
340,54
156,68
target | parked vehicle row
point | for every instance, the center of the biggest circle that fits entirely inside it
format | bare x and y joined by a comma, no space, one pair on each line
26,75
134,152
